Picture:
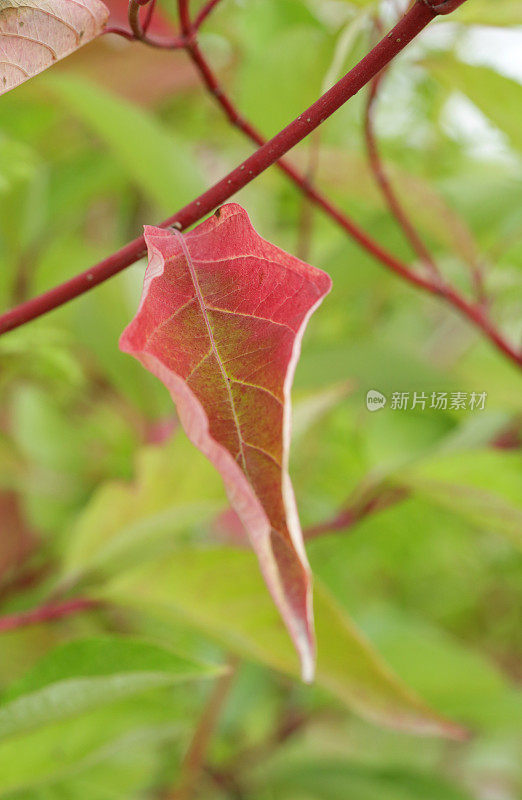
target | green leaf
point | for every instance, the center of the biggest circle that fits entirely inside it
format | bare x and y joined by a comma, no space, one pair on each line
154,158
175,490
455,677
330,779
494,94
285,52
483,486
49,753
82,675
80,704
17,162
220,591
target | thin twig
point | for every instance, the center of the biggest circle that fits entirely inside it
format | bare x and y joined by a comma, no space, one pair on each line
386,187
151,7
396,207
134,20
138,31
269,153
23,580
203,14
46,613
383,498
476,314
194,761
184,18
117,31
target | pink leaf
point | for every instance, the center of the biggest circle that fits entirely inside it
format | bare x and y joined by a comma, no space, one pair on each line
220,322
36,33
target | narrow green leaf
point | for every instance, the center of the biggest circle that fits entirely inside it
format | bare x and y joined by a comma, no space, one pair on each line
82,675
457,678
175,490
484,486
81,704
153,157
50,753
331,779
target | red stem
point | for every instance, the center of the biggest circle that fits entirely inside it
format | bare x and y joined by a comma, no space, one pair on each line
385,497
195,757
385,185
46,613
475,314
411,24
184,18
395,205
168,44
134,19
203,14
120,32
403,33
148,16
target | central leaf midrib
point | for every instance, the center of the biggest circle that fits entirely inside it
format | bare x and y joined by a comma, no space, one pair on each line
226,379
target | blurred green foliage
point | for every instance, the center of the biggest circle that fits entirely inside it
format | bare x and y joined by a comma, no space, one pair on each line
417,604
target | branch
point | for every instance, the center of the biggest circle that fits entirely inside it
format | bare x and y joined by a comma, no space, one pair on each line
151,7
402,34
419,15
385,185
475,314
138,32
395,205
194,760
413,22
203,14
36,616
134,19
23,580
385,497
184,18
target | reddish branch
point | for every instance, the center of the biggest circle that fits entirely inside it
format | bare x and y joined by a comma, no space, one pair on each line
475,313
395,205
195,758
419,15
403,33
46,613
139,32
203,14
387,190
349,517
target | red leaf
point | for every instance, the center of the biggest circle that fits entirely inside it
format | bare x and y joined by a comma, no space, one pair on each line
36,33
220,322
